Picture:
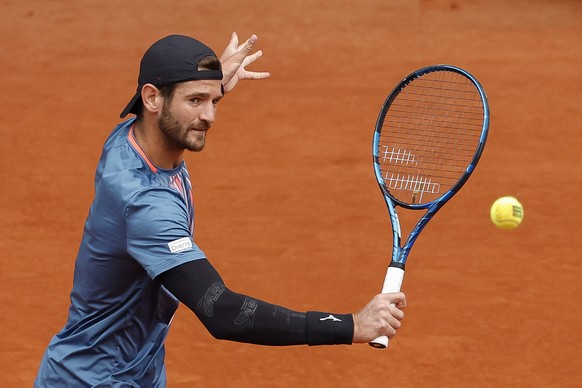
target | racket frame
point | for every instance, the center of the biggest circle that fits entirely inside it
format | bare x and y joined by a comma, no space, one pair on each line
395,272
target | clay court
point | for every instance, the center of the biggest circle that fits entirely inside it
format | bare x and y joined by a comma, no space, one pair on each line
288,209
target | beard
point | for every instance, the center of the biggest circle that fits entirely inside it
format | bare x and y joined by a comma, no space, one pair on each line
191,137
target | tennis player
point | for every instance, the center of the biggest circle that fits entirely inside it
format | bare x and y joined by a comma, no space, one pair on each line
138,257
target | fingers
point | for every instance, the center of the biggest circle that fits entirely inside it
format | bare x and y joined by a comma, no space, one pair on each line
250,43
230,48
233,57
381,316
391,314
233,40
234,60
396,298
253,74
393,321
253,57
242,51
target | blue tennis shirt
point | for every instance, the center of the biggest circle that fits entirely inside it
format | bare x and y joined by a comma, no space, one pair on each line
141,224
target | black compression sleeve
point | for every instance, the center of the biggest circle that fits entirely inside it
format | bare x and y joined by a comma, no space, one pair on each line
236,317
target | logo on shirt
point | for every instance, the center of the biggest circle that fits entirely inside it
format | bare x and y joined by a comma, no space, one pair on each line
180,245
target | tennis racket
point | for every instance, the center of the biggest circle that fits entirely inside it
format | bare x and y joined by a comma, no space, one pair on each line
428,138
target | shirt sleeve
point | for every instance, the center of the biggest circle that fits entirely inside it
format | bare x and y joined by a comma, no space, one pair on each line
158,231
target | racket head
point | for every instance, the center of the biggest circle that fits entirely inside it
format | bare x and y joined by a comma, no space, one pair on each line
429,136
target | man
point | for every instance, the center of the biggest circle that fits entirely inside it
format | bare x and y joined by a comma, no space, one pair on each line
138,260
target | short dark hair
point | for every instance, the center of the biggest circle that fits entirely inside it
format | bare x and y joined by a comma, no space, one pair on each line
209,62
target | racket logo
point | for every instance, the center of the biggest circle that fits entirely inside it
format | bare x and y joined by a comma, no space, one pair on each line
330,317
398,156
418,185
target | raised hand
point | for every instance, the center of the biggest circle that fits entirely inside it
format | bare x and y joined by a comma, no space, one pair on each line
234,60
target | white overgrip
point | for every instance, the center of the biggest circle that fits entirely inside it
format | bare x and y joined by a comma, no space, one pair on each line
393,280
392,283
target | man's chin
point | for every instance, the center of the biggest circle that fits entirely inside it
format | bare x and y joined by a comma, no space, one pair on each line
196,143
195,147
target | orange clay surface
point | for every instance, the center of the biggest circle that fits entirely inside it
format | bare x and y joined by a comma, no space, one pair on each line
287,206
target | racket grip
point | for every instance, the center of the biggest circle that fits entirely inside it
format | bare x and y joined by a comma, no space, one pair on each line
392,283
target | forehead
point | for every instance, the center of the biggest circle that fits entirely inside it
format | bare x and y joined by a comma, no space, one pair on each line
212,88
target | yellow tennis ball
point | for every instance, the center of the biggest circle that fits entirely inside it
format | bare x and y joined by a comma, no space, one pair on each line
506,213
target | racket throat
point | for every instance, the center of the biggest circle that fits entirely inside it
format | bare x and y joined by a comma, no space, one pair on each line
394,264
399,256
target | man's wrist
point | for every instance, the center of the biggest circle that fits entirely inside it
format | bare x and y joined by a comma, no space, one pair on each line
329,328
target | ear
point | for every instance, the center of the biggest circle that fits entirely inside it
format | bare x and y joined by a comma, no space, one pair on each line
151,98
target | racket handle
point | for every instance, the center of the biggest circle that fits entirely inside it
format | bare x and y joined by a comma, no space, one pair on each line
392,283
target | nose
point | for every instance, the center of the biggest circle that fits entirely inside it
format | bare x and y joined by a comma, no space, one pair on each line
208,113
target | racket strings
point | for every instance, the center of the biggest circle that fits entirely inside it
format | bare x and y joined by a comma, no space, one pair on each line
429,136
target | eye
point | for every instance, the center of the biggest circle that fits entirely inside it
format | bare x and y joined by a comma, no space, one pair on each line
195,100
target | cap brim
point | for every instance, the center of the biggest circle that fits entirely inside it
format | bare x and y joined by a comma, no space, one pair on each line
131,105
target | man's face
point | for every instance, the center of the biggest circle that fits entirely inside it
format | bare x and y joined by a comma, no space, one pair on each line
187,117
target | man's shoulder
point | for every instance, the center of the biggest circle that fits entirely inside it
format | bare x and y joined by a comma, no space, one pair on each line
121,171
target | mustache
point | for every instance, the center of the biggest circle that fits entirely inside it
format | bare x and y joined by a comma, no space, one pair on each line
201,126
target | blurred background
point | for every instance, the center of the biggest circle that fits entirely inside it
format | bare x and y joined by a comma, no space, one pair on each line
287,205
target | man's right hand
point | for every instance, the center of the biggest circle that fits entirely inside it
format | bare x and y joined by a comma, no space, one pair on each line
381,316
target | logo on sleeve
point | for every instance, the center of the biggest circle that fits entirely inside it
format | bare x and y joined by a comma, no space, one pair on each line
330,317
180,245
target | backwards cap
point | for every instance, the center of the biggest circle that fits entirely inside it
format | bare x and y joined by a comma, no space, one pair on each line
171,60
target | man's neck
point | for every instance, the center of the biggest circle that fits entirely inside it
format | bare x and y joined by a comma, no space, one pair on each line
156,147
